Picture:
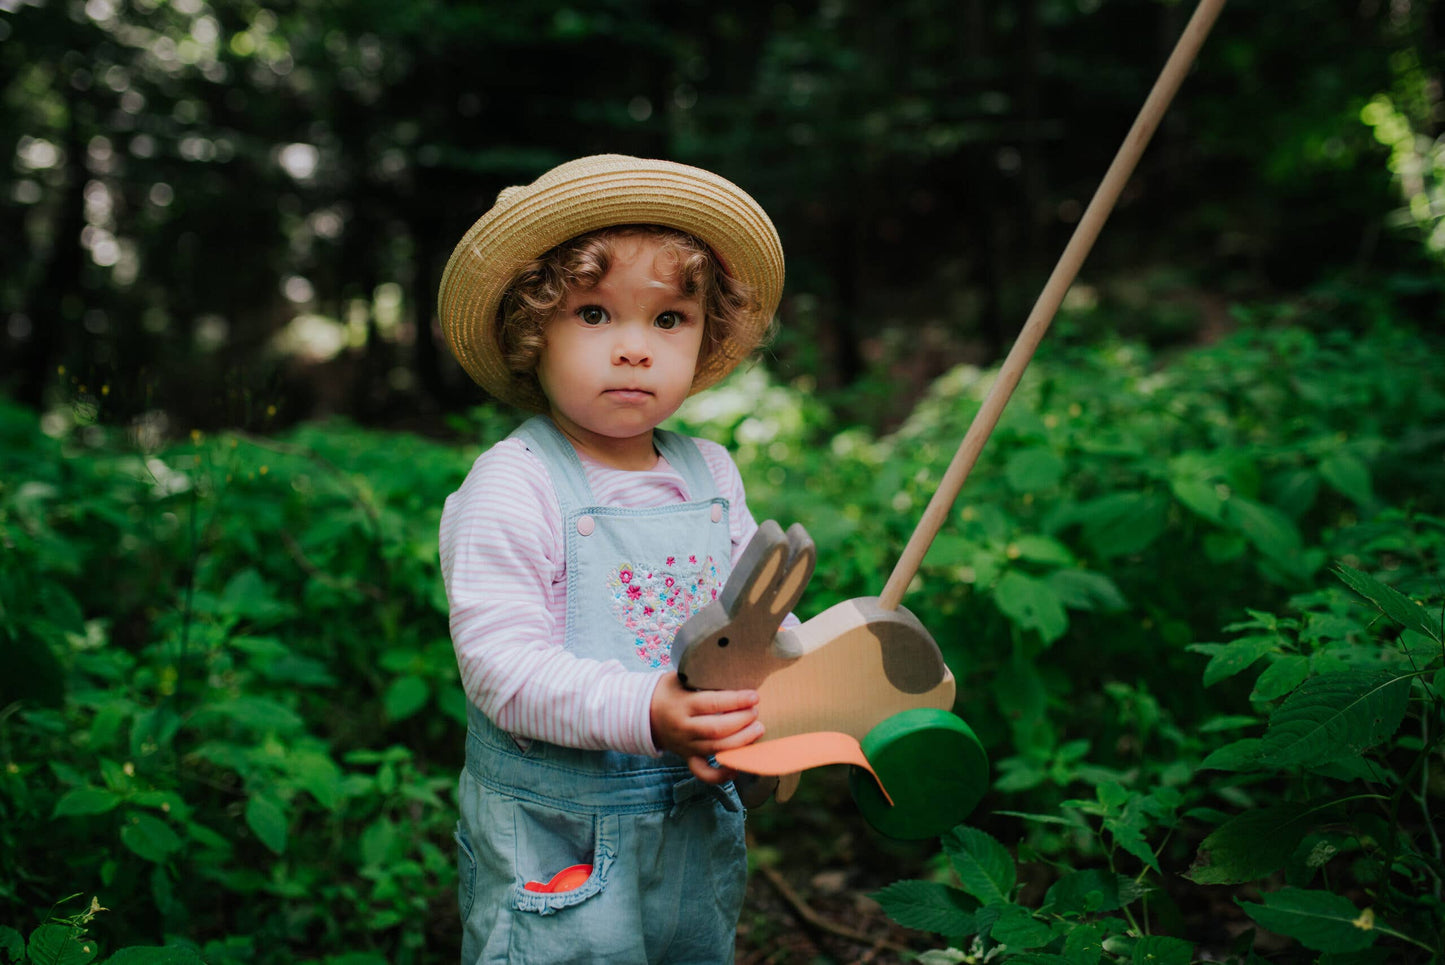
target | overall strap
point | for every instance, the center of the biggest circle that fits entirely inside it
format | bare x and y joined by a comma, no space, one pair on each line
683,455
569,479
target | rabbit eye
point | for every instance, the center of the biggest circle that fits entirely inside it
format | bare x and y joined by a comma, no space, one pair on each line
722,641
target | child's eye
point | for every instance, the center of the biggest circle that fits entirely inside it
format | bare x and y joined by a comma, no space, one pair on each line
667,321
592,314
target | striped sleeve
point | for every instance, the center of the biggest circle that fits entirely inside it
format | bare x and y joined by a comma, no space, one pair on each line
504,569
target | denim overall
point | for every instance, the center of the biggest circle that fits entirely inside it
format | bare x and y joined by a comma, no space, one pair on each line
666,850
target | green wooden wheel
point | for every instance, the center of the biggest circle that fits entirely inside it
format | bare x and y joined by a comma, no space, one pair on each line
934,767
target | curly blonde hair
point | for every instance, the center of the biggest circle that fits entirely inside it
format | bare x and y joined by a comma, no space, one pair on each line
540,287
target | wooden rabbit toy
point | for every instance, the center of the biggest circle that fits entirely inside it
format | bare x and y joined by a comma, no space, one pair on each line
848,670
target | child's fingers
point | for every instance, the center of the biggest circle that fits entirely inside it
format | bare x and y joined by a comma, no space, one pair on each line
704,771
716,726
702,702
739,738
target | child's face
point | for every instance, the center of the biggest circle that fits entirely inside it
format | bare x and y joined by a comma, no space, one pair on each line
620,357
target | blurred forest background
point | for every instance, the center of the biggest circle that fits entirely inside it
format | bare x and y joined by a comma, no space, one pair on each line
1214,514
214,210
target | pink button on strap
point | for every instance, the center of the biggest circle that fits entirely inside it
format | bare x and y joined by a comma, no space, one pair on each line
716,513
585,525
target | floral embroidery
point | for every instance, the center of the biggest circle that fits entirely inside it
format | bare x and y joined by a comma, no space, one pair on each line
654,603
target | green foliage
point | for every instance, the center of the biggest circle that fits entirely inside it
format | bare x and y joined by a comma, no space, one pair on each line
1352,792
258,721
1322,771
230,696
66,941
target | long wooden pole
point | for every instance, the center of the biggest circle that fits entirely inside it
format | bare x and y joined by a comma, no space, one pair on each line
1052,296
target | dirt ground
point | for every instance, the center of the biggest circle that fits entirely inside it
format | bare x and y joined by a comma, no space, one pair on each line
814,863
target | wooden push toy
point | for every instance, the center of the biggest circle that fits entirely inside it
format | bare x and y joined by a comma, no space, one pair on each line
863,682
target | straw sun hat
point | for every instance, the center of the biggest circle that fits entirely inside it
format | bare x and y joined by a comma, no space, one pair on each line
585,195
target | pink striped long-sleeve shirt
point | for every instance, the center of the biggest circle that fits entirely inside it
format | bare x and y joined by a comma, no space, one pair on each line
505,572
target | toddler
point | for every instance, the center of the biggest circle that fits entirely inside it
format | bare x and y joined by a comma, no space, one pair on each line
594,826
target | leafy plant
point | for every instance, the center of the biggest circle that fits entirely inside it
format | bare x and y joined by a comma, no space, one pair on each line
1078,921
227,693
1356,814
66,941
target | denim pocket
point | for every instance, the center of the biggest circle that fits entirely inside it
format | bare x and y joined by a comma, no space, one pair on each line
548,840
466,872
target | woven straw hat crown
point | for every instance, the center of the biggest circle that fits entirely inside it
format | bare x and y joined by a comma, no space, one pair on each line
584,195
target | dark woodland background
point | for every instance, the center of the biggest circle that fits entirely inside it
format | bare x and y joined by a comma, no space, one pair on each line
216,210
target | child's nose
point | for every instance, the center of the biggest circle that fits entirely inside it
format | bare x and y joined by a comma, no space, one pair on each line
631,347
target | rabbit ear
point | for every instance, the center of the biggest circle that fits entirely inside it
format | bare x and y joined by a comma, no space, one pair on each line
802,557
756,569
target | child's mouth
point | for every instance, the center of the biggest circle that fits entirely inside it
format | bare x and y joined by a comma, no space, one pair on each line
629,395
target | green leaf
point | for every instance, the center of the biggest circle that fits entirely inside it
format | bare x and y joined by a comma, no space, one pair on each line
1086,590
12,943
247,595
405,697
60,945
1272,532
275,661
1041,818
1321,920
149,837
929,906
1241,755
1350,477
377,843
260,714
1041,549
1161,950
1019,929
85,800
1228,659
156,955
1419,648
1390,601
1030,470
1280,677
942,956
1256,843
266,816
1031,604
1227,722
1201,496
313,771
1084,943
1090,890
985,868
1123,523
1129,835
1335,716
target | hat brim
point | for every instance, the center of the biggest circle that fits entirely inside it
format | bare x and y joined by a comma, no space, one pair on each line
585,195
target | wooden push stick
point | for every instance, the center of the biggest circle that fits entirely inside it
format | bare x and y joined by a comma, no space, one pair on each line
1049,300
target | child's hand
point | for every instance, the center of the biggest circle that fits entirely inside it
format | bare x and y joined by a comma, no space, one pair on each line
696,724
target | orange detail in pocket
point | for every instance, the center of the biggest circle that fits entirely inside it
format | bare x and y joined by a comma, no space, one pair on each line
565,880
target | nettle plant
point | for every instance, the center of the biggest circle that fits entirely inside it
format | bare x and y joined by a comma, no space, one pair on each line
1354,725
1323,822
